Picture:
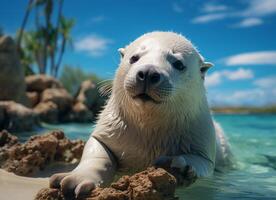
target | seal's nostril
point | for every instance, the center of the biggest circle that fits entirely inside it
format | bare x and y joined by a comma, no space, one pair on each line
141,76
154,78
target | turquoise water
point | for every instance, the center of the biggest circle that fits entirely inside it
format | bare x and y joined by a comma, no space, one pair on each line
252,137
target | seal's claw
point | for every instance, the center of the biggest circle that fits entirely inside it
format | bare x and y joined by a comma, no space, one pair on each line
55,180
68,185
83,188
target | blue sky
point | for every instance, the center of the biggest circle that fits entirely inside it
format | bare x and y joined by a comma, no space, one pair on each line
238,36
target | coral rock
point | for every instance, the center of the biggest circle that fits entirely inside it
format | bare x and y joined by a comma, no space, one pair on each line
151,184
28,158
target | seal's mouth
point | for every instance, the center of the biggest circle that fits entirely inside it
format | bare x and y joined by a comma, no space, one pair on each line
145,98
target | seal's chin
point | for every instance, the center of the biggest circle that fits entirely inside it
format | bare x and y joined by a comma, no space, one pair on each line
145,98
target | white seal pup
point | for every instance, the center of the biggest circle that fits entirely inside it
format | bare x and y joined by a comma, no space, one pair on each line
157,111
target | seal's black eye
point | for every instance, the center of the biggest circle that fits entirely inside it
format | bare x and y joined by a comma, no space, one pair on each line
134,59
179,65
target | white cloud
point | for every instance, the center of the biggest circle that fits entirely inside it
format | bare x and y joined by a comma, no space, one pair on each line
252,15
249,97
94,45
260,8
208,18
252,58
239,74
217,77
267,82
177,7
211,7
213,79
249,22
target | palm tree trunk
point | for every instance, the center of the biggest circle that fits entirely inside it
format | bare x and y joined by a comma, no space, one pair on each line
63,45
24,22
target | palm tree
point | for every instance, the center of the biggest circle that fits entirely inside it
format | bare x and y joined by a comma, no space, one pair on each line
43,42
24,22
65,29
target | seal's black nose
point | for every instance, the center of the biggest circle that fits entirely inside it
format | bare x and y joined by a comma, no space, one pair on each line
148,76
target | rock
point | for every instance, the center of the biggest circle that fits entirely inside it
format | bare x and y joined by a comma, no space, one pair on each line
82,113
59,96
47,112
151,184
33,98
17,117
38,83
12,84
34,155
7,139
87,94
49,194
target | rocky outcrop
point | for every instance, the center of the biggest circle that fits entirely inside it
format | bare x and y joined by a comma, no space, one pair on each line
89,95
53,104
12,85
16,117
39,83
151,184
39,151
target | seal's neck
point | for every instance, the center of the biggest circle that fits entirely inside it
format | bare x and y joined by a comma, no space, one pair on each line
170,115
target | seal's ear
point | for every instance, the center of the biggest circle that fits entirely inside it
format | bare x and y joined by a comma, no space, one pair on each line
122,52
204,68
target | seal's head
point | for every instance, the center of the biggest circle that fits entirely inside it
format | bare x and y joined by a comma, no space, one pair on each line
160,68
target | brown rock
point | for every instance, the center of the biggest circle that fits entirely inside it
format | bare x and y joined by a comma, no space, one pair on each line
59,96
33,98
12,84
81,113
7,139
87,94
151,184
38,83
47,112
49,194
17,117
34,155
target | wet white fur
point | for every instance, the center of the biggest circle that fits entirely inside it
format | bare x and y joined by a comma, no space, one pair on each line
131,135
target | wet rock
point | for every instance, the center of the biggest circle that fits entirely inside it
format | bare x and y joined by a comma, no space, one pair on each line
17,117
151,184
12,84
47,112
38,83
39,151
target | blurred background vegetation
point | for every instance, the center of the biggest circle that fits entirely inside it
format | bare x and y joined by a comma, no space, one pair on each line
41,48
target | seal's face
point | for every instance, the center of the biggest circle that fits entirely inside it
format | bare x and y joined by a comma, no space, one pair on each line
160,67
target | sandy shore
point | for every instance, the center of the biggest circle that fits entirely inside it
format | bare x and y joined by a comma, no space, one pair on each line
17,187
